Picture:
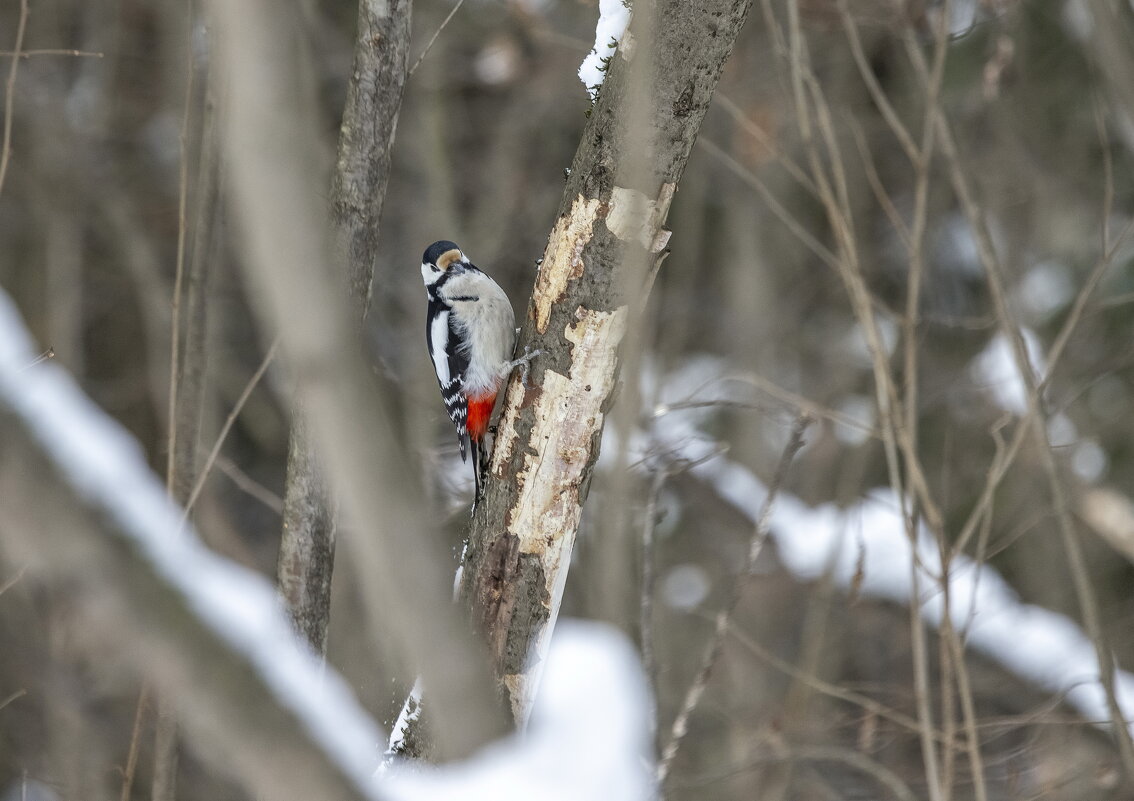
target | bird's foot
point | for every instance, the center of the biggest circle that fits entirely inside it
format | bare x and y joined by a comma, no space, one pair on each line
523,363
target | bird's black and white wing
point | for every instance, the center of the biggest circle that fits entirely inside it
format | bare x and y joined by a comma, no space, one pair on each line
451,363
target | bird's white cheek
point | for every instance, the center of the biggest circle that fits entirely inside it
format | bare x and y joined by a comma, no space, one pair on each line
428,275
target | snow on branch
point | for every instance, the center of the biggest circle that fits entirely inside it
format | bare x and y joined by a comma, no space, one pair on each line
868,541
614,16
106,469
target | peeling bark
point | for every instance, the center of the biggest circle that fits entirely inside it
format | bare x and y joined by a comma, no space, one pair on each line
523,533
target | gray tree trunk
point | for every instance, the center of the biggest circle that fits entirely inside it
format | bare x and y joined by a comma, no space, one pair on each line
370,118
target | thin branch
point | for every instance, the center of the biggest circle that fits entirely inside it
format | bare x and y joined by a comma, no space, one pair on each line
1080,576
14,696
27,53
178,275
864,702
765,140
713,650
899,129
10,93
228,423
875,181
131,768
249,485
13,581
774,205
433,38
648,576
847,756
164,783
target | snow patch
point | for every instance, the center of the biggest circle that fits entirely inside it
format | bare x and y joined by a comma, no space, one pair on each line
614,16
995,369
587,739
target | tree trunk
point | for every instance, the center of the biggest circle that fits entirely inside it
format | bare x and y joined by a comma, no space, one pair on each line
370,118
611,217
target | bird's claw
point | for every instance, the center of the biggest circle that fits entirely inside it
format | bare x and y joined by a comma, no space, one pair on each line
524,363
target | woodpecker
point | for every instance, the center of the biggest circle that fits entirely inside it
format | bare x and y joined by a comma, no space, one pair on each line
471,333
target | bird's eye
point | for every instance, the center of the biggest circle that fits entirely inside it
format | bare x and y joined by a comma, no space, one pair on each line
434,268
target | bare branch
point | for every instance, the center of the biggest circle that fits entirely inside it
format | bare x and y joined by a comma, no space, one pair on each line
10,93
723,618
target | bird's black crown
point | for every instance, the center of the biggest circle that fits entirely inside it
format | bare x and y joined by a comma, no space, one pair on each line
434,251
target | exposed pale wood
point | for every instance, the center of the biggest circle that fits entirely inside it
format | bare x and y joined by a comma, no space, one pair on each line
612,215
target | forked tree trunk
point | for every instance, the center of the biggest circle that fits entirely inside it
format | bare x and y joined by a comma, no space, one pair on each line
612,215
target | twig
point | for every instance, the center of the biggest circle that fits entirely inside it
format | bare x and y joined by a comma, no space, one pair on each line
10,92
875,180
774,205
712,653
56,52
766,141
41,358
250,485
7,585
847,756
13,696
864,702
164,782
899,129
135,737
228,423
649,576
179,271
433,38
1080,576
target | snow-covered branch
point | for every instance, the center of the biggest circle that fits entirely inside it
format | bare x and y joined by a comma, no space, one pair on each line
80,503
866,546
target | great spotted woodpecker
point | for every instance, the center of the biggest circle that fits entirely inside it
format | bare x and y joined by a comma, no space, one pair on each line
471,333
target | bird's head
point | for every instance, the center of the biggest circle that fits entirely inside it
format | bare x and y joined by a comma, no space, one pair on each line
439,258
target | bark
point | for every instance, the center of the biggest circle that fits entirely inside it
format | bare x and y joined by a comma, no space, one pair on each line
307,541
612,214
370,118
